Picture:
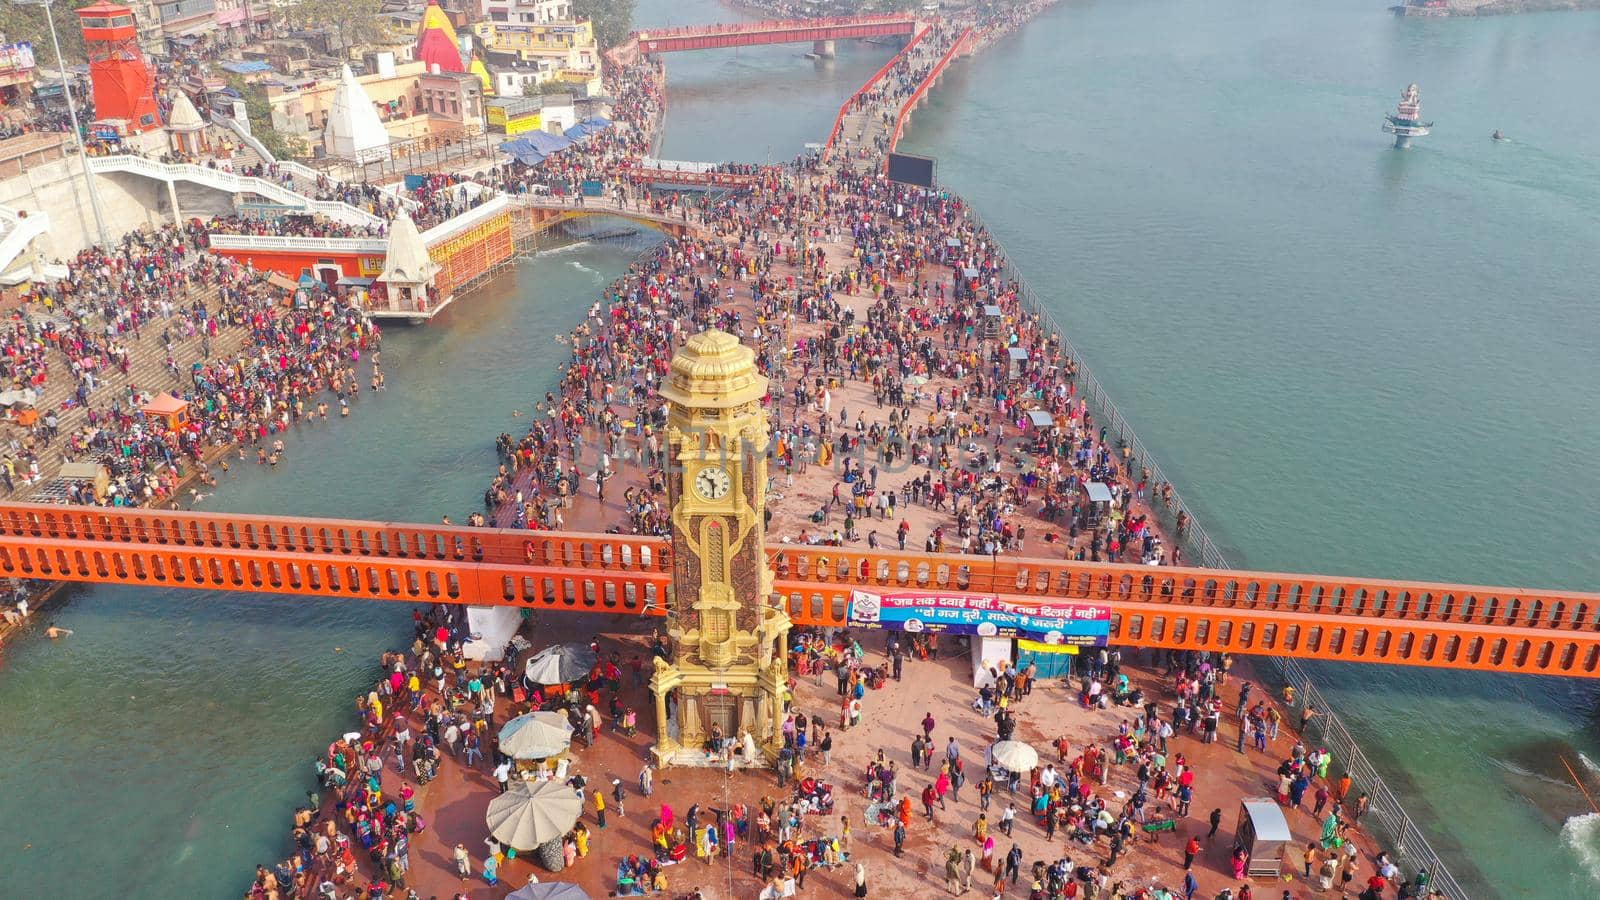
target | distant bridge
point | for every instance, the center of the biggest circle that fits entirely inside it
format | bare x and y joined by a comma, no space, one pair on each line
751,34
544,214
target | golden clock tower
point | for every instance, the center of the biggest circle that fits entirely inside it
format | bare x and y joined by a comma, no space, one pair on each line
729,665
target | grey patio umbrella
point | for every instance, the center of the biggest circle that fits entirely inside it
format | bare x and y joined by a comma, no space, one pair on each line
529,815
535,735
549,890
560,664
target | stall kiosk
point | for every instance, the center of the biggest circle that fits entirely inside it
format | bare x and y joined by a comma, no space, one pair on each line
1263,833
1016,362
1099,500
967,285
993,322
91,473
169,409
1040,420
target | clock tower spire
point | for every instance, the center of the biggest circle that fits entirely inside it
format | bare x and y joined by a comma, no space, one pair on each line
729,668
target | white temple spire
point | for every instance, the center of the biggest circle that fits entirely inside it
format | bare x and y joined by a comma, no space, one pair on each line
354,130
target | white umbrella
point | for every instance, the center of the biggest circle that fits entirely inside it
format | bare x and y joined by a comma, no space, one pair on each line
535,735
561,664
1014,755
529,815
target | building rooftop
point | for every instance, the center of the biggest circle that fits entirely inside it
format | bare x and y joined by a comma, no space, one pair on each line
450,76
516,106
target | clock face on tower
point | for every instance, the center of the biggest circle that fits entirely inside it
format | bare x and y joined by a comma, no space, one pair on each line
712,483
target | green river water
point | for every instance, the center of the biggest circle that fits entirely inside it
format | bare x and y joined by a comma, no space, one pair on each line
1349,359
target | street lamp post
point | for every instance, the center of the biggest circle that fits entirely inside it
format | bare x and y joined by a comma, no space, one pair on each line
77,133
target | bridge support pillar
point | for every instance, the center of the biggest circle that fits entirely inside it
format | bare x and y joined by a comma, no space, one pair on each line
822,49
172,194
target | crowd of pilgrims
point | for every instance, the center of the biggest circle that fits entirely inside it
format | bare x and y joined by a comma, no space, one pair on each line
262,366
969,448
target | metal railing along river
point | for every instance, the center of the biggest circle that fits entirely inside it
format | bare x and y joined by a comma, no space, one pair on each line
1385,816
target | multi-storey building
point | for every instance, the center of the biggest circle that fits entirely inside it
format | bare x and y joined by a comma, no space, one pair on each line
531,43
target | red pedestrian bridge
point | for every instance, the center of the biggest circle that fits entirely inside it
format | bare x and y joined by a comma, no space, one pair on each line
1497,629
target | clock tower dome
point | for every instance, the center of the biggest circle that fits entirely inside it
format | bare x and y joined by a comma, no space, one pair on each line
729,666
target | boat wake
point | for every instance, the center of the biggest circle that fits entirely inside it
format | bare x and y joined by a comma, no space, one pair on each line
1525,772
566,248
1581,835
581,267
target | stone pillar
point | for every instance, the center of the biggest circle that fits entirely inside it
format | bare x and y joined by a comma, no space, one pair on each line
822,49
689,731
666,678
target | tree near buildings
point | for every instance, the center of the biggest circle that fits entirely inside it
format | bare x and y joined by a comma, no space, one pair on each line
259,111
352,20
612,19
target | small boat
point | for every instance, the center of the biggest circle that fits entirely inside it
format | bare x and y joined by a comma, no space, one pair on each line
1498,136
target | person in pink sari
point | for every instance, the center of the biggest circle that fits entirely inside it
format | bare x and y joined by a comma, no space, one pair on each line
1241,860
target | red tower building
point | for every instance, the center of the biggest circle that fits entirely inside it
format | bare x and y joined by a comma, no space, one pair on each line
123,86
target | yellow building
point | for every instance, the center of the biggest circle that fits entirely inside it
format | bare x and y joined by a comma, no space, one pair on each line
520,55
512,116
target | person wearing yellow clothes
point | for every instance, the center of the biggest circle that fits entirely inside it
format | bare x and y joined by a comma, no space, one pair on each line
580,836
659,885
600,808
376,705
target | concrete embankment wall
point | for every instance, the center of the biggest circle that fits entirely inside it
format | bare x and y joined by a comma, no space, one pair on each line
127,201
58,189
1512,7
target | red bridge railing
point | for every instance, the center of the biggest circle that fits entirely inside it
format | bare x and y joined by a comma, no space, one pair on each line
844,108
1502,629
922,90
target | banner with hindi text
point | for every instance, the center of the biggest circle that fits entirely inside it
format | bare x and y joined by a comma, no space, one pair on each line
1081,624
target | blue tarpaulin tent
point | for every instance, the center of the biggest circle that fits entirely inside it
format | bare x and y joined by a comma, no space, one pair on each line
546,143
533,147
247,67
588,126
522,152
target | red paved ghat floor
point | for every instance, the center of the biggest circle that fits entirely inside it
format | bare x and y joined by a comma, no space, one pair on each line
454,803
